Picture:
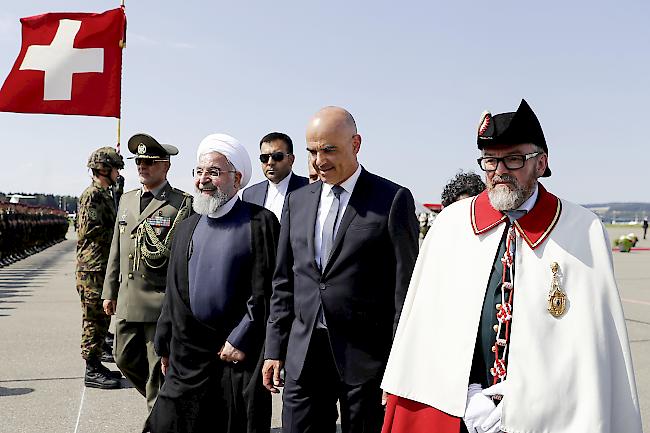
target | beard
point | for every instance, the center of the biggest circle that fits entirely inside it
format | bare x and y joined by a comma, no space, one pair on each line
503,198
204,204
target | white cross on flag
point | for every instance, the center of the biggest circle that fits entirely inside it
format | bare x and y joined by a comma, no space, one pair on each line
69,63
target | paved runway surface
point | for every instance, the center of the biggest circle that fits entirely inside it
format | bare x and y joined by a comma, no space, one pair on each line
41,371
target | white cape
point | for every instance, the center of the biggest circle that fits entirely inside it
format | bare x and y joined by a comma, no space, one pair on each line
572,374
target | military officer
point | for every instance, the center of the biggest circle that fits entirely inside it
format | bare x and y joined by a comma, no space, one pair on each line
95,231
134,287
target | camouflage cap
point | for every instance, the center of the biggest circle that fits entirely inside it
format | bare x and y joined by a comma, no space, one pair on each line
105,157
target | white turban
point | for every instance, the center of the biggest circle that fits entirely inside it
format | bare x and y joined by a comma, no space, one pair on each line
232,149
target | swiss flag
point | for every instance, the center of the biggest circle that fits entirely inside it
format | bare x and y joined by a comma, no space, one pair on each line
69,63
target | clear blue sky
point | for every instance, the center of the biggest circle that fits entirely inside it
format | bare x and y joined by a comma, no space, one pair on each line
416,76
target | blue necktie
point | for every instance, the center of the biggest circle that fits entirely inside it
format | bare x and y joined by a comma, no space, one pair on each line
328,228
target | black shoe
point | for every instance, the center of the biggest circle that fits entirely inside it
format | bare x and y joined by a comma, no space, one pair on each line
107,357
98,376
110,373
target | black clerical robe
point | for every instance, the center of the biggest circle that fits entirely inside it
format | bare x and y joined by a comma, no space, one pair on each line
201,393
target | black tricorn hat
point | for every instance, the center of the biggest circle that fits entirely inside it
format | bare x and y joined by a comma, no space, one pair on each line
145,146
510,129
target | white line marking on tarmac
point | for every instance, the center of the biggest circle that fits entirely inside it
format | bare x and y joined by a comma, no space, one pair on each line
81,405
634,301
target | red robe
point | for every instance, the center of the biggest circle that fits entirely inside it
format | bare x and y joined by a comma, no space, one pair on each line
408,416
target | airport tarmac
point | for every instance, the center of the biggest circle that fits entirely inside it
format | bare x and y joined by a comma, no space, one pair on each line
41,370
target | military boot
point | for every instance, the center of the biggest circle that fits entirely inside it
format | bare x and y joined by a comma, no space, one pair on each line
107,348
107,355
110,373
98,376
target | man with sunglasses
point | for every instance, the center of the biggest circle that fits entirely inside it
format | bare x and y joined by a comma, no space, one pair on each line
135,281
276,156
512,320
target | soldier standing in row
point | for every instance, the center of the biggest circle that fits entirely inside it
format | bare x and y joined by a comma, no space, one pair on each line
134,288
95,231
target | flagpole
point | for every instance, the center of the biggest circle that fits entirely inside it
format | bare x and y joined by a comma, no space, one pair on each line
119,127
119,119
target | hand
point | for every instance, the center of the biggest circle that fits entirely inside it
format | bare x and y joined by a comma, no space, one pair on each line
479,407
164,365
230,353
271,375
492,423
384,398
109,306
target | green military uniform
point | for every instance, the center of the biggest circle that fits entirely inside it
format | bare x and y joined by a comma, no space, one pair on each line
137,269
95,231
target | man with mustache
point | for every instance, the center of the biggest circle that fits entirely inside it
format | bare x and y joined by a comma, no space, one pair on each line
211,331
134,286
512,320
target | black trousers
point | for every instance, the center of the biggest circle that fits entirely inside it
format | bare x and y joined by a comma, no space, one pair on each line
234,401
309,404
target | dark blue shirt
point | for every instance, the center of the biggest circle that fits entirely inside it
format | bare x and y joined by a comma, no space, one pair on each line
220,273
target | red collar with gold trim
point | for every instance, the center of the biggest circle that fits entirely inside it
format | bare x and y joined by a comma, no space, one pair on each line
534,227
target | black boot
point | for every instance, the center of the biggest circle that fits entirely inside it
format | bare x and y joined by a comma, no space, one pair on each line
98,376
107,348
107,356
110,373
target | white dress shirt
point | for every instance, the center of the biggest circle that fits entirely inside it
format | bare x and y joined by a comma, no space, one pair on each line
275,194
325,203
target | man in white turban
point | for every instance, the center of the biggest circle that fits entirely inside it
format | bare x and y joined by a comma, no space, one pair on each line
211,331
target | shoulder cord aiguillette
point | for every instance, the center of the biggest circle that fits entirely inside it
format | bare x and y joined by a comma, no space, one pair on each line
149,248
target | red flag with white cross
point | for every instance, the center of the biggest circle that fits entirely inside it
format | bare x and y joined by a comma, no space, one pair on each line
69,63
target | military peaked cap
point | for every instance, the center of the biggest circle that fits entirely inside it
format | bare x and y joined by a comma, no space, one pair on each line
145,146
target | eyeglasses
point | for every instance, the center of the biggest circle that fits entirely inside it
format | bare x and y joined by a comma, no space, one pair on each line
276,156
512,162
211,172
147,161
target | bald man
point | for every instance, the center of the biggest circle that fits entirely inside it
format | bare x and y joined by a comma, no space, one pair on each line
347,248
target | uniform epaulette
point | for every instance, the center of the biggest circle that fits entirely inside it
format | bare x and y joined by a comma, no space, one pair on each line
180,191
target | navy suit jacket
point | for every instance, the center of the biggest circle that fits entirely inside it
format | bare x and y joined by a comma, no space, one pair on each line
257,193
362,287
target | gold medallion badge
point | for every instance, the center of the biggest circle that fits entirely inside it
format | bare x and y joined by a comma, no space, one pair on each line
556,296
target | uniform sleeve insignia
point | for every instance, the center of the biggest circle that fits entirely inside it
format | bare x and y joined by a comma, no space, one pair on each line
92,214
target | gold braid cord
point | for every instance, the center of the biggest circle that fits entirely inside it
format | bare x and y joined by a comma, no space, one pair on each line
149,248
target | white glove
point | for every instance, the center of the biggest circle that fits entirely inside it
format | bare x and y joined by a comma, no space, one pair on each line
492,424
479,406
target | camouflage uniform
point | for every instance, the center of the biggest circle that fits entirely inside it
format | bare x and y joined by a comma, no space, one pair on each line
95,232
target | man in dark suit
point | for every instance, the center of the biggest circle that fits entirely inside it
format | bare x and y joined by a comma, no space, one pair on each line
347,248
276,156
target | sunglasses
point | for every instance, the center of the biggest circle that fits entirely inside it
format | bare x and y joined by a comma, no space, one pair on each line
276,156
147,161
